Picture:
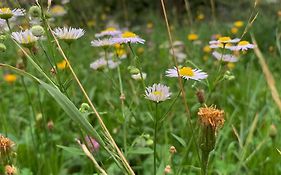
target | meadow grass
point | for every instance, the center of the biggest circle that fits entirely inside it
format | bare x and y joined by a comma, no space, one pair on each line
48,117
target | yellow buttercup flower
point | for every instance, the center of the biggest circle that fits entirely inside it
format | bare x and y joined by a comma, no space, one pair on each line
62,65
238,24
10,78
234,30
192,37
207,49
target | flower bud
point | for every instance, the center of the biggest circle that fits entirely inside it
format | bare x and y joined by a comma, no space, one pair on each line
200,96
173,150
84,108
3,37
2,47
37,30
35,11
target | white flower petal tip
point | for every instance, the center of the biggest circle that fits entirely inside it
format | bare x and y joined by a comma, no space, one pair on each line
69,34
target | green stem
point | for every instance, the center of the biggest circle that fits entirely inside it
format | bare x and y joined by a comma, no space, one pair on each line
155,138
204,162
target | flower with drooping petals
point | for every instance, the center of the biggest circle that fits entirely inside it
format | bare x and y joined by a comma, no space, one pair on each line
243,45
225,57
25,38
157,93
187,73
69,34
7,13
128,37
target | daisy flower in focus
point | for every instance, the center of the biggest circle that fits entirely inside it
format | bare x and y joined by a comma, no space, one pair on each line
25,38
187,73
7,13
98,64
243,45
111,31
138,76
224,40
128,37
69,34
225,57
157,93
102,42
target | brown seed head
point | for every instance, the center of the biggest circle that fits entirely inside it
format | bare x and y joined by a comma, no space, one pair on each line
10,170
5,144
210,116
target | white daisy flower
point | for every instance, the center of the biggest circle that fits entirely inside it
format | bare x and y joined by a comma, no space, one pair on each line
243,45
26,38
128,37
65,1
102,42
224,40
157,93
225,57
113,64
138,76
221,45
98,64
7,13
58,10
69,34
180,56
111,31
187,73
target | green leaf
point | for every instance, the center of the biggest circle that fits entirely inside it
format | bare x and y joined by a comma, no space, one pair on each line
179,139
72,150
141,151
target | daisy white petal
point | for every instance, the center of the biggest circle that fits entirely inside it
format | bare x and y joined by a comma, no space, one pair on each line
111,31
157,93
187,73
128,37
225,57
113,64
26,38
243,45
102,42
69,34
98,64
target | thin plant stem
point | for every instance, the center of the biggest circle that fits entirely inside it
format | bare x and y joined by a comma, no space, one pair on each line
155,138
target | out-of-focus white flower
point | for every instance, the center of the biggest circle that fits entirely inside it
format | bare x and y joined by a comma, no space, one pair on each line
128,37
113,64
57,10
138,76
65,1
225,57
242,45
69,34
26,38
98,64
157,93
102,42
7,13
111,31
180,56
187,73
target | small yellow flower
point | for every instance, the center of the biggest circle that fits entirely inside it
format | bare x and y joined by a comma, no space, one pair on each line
120,52
192,37
149,25
200,17
10,78
230,65
234,30
207,49
140,50
91,23
238,24
62,65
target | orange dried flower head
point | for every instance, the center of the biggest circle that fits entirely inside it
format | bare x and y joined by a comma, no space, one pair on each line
210,116
5,145
10,170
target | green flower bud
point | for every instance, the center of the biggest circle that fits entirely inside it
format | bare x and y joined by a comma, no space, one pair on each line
84,108
37,30
3,37
35,11
2,47
133,70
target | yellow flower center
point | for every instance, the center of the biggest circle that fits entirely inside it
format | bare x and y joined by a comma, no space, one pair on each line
186,71
224,39
57,9
128,35
238,24
110,29
62,65
207,49
243,43
10,78
192,37
157,93
6,10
